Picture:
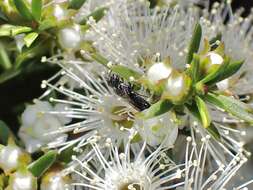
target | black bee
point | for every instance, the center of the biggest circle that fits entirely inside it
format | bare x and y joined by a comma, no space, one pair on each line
126,91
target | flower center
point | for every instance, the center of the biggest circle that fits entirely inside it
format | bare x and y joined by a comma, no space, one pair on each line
120,117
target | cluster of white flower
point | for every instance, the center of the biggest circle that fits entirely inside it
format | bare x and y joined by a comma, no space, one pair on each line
130,107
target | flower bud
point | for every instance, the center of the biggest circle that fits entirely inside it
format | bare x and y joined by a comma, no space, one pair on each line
11,157
22,180
177,87
69,38
55,180
159,71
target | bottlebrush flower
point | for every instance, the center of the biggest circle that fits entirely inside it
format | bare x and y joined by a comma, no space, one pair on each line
206,168
104,110
124,170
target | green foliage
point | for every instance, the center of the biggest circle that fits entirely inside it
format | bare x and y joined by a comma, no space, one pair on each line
156,109
125,72
23,9
231,105
40,166
5,133
37,9
30,38
195,42
76,4
96,15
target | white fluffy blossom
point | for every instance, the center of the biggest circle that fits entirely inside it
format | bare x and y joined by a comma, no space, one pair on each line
123,170
36,125
98,110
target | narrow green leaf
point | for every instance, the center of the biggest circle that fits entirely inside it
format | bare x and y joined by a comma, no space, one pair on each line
5,30
36,9
47,23
23,9
4,133
215,39
38,167
96,15
2,16
215,76
99,58
76,4
235,107
30,38
156,109
5,62
125,72
203,111
211,128
231,69
195,42
195,68
213,131
12,30
15,30
37,49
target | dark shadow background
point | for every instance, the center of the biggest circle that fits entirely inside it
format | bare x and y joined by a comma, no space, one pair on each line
15,92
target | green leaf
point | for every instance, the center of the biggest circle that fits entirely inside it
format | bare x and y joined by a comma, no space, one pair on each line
203,111
229,104
211,128
4,133
76,4
38,167
47,23
11,30
5,30
23,9
215,39
15,30
4,58
30,38
2,16
195,42
96,15
156,109
216,75
125,72
36,9
195,68
99,58
213,131
231,69
36,50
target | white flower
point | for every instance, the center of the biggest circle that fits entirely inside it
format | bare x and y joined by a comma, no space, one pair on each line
237,37
99,109
123,170
22,180
70,38
131,33
157,130
54,180
204,170
36,125
11,157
